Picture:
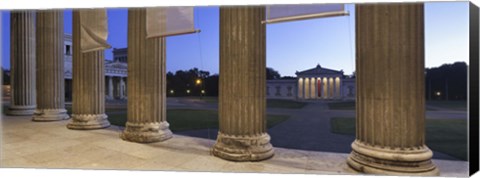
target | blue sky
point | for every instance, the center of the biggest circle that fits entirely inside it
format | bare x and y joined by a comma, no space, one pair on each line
291,46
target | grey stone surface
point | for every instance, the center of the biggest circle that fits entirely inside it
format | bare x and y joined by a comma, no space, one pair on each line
26,144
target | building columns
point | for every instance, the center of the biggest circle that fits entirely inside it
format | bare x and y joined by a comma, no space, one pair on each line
110,87
300,88
88,104
390,113
121,88
147,119
22,61
50,68
242,133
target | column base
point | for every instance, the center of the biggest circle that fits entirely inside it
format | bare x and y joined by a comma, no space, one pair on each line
88,121
243,148
146,132
50,115
21,110
375,160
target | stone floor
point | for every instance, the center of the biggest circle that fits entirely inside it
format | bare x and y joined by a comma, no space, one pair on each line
30,144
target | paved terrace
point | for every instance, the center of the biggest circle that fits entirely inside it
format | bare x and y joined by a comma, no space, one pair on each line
30,144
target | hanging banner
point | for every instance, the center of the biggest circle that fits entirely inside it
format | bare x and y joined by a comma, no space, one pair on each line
286,13
169,21
93,30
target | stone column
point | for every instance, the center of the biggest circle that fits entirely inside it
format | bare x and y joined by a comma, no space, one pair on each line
242,133
122,88
307,88
313,88
390,113
50,68
300,88
110,87
22,63
88,104
324,88
147,119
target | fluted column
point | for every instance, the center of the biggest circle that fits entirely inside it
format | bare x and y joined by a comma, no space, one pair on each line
242,133
300,88
122,88
22,63
50,68
147,119
390,113
110,87
313,88
88,104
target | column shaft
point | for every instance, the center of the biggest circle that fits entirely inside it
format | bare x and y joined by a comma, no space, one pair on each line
300,88
243,133
110,87
147,119
88,104
50,68
390,111
22,63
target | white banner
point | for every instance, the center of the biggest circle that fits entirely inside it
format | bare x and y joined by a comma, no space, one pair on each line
284,13
93,30
169,21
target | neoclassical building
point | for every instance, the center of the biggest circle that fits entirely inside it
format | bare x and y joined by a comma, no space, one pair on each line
315,83
115,72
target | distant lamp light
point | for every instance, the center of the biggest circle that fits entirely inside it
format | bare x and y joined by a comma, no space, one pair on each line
203,91
438,93
171,91
188,91
198,82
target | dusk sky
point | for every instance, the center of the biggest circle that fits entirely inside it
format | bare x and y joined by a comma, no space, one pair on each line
291,46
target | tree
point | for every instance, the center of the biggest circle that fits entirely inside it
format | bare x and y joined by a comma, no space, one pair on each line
447,82
272,74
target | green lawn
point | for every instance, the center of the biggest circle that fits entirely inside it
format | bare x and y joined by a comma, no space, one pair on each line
288,104
190,119
346,105
350,105
452,105
448,136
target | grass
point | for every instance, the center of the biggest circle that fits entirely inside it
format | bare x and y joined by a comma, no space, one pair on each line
460,105
347,105
271,103
350,105
287,104
191,119
448,136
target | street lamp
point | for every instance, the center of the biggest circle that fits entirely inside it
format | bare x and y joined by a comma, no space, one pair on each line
198,82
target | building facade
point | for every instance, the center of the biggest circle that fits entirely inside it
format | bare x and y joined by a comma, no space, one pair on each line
115,72
313,84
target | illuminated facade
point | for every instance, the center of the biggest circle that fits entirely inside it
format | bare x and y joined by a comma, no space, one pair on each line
316,83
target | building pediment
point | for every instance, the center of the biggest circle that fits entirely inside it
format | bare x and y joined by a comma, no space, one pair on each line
319,70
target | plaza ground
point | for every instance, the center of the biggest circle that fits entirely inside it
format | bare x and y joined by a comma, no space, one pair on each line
304,142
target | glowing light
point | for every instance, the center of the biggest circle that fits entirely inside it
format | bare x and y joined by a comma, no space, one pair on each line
171,91
188,91
203,91
438,93
198,82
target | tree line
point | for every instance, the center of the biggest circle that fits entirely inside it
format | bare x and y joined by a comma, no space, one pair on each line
446,82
